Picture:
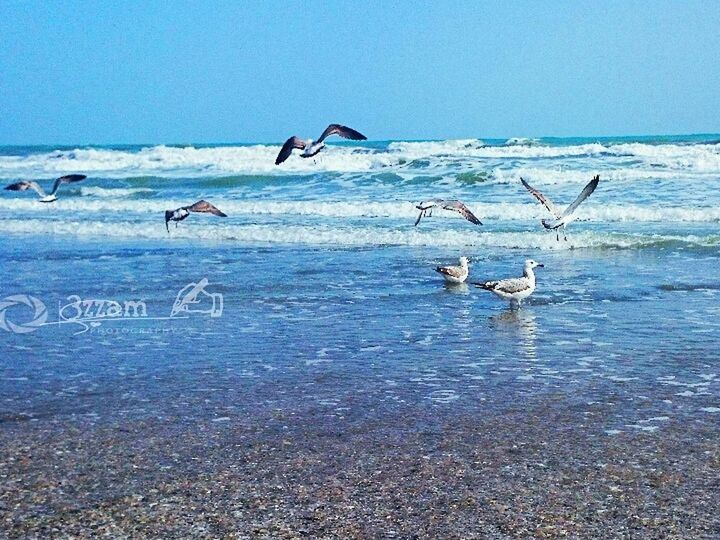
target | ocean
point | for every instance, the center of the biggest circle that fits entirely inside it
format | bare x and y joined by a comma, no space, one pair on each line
311,322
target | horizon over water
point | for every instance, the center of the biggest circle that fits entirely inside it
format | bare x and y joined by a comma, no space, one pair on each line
339,352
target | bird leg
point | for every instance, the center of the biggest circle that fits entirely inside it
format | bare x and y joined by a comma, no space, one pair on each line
564,233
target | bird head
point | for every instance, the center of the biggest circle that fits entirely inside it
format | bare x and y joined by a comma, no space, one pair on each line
533,264
464,261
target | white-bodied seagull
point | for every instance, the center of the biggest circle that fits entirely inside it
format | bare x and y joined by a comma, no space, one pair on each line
568,215
311,148
515,289
46,197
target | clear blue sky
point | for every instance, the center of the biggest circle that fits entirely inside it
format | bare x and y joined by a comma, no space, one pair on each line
178,72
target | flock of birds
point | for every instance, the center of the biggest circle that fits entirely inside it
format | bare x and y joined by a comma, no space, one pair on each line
515,289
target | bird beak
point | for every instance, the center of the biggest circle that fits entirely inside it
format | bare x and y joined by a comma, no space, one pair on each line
541,266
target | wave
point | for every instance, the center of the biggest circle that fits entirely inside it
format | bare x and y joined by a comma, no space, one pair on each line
360,209
439,156
216,231
113,193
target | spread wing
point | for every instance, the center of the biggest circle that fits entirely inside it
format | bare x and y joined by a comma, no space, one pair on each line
206,208
584,194
287,148
343,131
25,185
66,180
547,203
464,211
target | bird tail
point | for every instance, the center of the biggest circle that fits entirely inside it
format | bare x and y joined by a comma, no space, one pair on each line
485,286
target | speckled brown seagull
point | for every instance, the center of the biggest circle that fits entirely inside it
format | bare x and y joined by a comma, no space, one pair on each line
311,148
455,274
45,197
202,207
426,208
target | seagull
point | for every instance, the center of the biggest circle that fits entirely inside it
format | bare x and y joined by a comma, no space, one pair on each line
455,274
311,148
426,207
514,289
184,211
567,216
45,197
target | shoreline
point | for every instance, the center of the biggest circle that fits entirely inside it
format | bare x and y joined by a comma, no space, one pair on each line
542,471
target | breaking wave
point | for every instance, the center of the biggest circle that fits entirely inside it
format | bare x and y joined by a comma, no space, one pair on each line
438,156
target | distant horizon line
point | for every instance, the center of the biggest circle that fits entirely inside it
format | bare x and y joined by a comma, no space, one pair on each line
276,143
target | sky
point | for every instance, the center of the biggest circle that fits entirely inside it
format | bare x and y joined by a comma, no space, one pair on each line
136,72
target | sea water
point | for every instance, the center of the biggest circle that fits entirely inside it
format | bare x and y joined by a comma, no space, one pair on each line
317,293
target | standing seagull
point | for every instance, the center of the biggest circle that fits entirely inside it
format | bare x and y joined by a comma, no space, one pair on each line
455,274
426,207
514,289
181,213
311,148
568,216
45,197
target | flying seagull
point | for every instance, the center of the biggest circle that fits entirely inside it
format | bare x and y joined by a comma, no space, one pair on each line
568,215
514,289
426,208
45,197
181,213
455,274
311,148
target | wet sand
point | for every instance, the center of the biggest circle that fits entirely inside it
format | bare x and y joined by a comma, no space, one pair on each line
542,470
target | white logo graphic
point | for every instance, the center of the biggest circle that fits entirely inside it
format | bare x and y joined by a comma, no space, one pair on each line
40,314
94,312
187,298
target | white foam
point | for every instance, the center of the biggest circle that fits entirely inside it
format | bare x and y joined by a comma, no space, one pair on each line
168,161
212,229
112,193
118,200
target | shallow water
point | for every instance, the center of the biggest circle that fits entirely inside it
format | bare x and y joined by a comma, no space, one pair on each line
330,303
355,333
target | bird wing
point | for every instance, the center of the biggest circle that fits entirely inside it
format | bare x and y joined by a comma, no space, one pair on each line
463,210
205,207
287,148
584,194
546,202
66,180
425,205
343,131
25,185
454,271
509,286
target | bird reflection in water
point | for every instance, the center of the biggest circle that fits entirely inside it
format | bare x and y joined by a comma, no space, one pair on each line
521,325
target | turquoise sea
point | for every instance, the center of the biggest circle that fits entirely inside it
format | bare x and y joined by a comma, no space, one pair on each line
315,300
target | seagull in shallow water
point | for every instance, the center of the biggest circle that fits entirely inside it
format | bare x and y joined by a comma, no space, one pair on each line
45,197
426,208
514,289
311,148
181,213
455,274
568,215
